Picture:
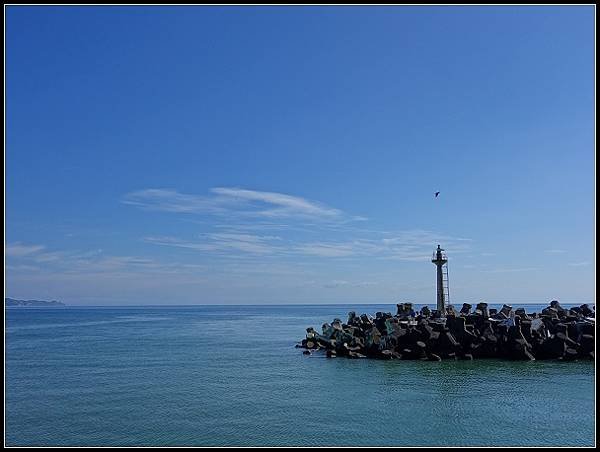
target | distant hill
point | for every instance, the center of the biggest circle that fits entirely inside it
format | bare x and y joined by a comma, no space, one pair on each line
13,302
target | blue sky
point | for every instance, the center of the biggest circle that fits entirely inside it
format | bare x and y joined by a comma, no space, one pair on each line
192,155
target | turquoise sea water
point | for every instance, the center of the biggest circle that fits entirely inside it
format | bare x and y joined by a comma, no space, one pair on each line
230,375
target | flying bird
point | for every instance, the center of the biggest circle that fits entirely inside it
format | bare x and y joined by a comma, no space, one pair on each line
437,193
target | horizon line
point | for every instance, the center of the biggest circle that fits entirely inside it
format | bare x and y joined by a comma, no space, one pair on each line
287,304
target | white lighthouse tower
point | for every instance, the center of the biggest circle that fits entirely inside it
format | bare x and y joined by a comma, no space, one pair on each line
443,293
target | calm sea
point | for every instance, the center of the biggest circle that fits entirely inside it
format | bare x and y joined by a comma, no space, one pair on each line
230,375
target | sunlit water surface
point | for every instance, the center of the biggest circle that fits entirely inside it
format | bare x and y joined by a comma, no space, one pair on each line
230,375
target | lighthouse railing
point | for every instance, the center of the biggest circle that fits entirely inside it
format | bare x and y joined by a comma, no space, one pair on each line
442,255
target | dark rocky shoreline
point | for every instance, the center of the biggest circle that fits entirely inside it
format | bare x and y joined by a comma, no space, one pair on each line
555,333
11,302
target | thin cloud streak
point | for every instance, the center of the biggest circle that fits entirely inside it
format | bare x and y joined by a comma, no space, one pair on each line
343,283
510,270
413,245
17,249
169,200
286,205
234,201
222,241
90,262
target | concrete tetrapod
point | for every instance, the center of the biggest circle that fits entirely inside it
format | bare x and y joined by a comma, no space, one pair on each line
555,333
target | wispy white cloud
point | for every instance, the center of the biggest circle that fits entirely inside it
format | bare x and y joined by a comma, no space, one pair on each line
215,242
17,249
279,204
409,245
124,279
326,249
178,243
578,264
413,245
510,270
554,251
36,253
234,201
37,258
393,249
169,200
260,237
21,268
342,283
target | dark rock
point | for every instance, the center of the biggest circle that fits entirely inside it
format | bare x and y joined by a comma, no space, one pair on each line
466,309
520,312
556,305
506,310
451,311
587,343
554,334
433,357
586,311
483,309
387,354
570,354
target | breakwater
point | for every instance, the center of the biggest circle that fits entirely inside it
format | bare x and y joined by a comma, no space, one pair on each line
554,333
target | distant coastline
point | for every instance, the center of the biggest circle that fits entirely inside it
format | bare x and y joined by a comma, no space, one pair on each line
11,302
